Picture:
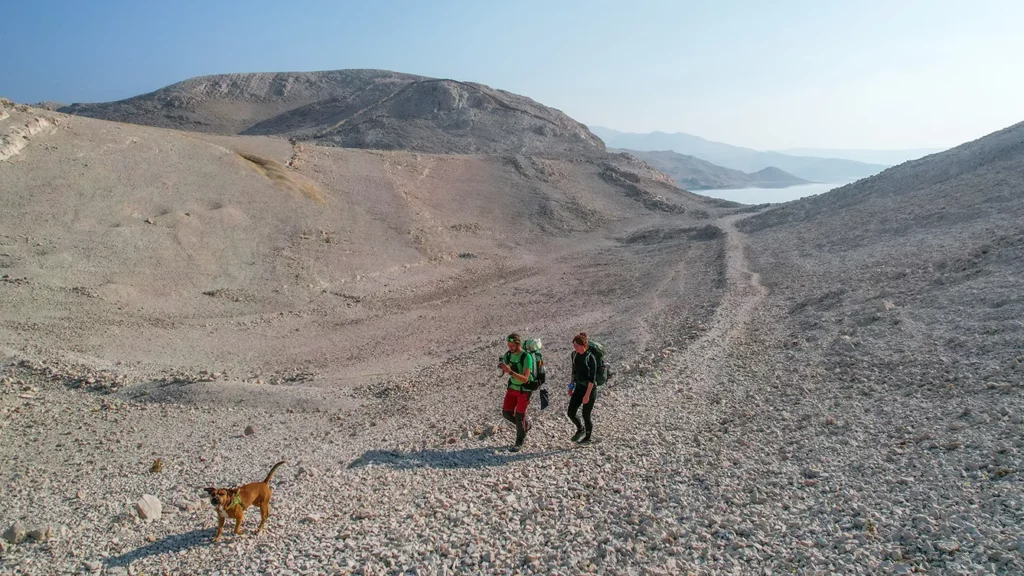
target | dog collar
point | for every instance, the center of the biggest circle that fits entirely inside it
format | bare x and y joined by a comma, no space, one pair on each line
236,502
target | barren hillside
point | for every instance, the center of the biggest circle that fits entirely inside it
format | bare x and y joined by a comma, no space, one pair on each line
917,272
231,103
205,251
358,109
899,302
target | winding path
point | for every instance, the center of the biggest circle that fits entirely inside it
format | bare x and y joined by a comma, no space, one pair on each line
693,382
701,363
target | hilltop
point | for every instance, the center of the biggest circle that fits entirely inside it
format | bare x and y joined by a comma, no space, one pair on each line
374,109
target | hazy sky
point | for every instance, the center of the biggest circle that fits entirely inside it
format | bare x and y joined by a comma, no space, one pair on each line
760,73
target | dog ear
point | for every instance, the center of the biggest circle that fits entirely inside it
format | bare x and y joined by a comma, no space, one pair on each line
210,490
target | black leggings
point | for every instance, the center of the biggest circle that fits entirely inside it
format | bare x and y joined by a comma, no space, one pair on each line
522,426
574,405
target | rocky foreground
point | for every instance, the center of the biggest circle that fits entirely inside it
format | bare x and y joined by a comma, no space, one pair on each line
749,451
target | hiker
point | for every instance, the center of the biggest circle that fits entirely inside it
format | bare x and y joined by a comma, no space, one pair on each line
583,388
518,364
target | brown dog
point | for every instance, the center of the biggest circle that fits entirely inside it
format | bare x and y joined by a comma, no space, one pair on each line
232,502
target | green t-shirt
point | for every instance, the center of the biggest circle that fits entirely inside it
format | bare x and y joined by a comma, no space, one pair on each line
519,363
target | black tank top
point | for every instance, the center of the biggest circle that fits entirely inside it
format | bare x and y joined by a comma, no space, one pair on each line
584,368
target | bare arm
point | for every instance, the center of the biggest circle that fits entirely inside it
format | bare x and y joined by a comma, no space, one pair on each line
521,378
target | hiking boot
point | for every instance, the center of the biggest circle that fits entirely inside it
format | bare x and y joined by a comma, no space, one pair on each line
585,440
516,448
579,434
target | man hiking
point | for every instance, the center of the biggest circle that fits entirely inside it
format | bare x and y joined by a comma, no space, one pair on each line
583,389
519,366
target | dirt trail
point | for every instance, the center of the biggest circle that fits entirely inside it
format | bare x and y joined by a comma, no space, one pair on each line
693,384
701,364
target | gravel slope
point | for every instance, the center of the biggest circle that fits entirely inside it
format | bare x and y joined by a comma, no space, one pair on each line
802,391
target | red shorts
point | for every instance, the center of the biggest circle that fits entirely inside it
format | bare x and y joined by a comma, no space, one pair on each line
515,401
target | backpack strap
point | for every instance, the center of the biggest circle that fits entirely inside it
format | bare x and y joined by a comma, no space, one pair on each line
522,362
597,365
518,367
587,356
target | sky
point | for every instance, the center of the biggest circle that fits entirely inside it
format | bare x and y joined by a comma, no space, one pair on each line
766,74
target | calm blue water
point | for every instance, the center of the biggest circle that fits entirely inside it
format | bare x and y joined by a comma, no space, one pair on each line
773,195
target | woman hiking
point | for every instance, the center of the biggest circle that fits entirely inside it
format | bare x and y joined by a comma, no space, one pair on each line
582,389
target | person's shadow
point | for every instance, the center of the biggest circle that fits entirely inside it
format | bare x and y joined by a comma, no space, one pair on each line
169,545
445,459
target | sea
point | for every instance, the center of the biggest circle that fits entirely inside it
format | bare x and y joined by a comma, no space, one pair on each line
771,195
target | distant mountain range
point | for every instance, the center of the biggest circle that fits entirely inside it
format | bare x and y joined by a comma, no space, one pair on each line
693,173
742,159
890,157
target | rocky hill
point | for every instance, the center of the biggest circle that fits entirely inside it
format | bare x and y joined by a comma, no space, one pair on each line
232,103
902,298
358,109
971,182
693,173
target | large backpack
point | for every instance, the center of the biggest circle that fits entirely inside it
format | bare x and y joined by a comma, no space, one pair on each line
538,375
597,349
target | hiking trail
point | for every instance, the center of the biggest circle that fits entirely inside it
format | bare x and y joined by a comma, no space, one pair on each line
695,379
701,363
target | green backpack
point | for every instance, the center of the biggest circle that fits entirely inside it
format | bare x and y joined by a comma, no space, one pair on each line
597,349
538,374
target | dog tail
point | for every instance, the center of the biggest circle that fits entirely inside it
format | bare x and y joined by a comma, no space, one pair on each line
271,473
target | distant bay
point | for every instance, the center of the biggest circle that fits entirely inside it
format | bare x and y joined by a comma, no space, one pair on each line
771,195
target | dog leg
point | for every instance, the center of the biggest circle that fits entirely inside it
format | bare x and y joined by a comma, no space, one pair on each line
264,512
220,527
238,523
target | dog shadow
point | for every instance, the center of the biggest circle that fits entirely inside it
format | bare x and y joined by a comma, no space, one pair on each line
169,545
445,459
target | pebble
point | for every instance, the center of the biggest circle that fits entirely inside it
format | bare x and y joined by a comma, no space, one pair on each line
41,534
15,534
